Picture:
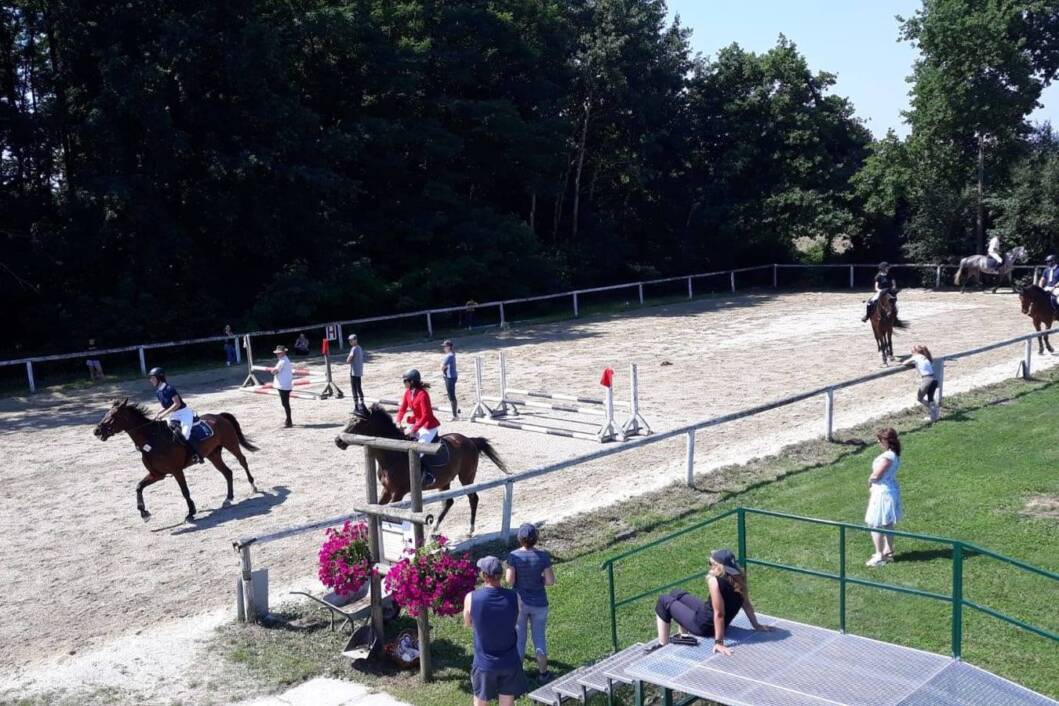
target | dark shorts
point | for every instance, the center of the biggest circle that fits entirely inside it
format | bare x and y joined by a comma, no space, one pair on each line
690,612
488,685
928,385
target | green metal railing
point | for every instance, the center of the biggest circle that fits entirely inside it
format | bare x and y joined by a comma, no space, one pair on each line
956,598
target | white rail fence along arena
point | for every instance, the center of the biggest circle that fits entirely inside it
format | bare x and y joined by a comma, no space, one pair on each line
688,431
336,327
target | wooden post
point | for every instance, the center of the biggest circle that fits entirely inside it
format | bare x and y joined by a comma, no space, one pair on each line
248,584
576,312
415,482
640,288
502,321
341,338
689,460
143,362
937,278
691,293
775,276
29,376
851,276
238,350
829,413
374,543
1027,359
733,281
430,326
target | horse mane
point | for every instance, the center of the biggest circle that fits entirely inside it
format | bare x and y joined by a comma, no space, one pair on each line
137,409
381,417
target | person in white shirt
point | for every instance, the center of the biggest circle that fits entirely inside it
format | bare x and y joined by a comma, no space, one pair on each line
928,382
996,257
283,372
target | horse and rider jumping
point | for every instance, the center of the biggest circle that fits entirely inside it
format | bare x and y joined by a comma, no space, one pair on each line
166,451
438,472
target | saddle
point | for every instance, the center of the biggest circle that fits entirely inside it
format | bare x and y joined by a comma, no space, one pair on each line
200,430
435,462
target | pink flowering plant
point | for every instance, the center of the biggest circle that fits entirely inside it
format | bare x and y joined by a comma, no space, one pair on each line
432,578
345,559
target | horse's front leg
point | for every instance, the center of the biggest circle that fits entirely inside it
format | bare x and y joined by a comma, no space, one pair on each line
146,481
182,482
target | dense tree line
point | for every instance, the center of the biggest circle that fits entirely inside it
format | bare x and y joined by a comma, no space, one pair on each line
167,167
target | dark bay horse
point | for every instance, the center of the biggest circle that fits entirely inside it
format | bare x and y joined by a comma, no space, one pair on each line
974,267
393,465
1037,304
883,321
163,456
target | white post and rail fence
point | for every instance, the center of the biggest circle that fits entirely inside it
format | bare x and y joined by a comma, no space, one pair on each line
688,431
502,307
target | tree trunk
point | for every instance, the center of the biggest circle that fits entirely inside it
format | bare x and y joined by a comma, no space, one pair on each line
580,168
59,81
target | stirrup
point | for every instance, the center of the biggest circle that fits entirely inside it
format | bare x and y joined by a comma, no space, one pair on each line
427,479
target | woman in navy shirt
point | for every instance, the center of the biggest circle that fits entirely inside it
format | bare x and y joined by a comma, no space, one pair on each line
529,570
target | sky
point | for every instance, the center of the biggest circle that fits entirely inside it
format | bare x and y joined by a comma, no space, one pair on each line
855,39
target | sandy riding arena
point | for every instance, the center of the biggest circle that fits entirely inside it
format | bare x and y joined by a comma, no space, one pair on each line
80,569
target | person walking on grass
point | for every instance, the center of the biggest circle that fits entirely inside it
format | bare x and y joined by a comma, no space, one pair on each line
283,380
355,361
490,612
448,374
529,571
884,499
928,382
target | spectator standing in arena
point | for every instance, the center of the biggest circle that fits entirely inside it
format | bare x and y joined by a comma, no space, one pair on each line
229,345
728,594
95,368
529,571
491,612
355,360
884,500
283,381
448,374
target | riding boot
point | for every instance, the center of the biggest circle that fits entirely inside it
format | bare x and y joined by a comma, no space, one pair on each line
196,457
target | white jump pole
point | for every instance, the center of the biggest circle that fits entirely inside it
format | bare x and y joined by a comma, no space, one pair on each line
635,424
341,338
251,379
609,431
505,406
1027,359
481,409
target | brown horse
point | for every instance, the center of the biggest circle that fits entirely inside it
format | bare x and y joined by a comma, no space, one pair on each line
883,321
164,456
393,465
1037,304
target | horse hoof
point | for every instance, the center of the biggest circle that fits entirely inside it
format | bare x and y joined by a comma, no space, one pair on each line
144,515
254,487
227,502
190,517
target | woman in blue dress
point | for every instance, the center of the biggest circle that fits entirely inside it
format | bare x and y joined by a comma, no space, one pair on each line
884,499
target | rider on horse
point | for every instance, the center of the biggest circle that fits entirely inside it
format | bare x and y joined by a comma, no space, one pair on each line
416,400
1050,279
174,407
884,284
995,257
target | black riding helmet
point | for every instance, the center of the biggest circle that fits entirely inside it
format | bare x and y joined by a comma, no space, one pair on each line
884,265
1050,260
157,373
412,375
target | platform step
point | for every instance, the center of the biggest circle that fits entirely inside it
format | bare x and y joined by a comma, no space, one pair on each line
595,677
569,687
546,695
616,671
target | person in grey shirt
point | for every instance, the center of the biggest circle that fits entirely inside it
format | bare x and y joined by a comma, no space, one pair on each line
355,359
448,373
529,572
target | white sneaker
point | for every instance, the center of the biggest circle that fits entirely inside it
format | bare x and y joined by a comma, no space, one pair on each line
875,560
929,419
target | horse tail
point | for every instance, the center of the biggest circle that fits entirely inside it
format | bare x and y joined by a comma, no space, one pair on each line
243,441
959,274
483,446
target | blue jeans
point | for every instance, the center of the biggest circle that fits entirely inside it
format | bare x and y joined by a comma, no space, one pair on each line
536,619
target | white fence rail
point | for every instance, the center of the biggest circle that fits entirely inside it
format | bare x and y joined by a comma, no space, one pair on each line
500,306
687,430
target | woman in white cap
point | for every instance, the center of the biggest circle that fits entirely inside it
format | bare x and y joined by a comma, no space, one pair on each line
728,594
283,374
355,361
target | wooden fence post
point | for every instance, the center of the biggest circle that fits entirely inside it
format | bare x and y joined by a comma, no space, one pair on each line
689,459
248,584
29,376
415,481
829,414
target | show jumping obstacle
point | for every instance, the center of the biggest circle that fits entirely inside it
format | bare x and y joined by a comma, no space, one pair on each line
513,402
303,378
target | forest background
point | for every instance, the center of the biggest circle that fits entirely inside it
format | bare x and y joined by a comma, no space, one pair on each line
166,168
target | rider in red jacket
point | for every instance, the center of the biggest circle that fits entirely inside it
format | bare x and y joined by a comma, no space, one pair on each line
416,400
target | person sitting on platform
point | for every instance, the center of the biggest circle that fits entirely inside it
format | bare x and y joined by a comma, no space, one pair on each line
728,594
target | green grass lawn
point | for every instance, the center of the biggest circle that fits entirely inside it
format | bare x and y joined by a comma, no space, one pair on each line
969,477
